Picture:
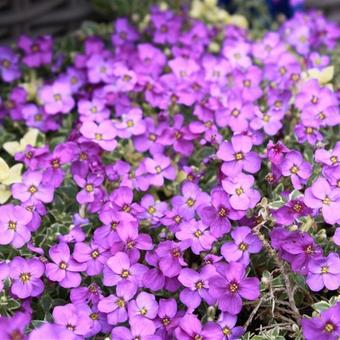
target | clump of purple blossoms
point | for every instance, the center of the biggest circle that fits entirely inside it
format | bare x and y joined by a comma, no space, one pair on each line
184,183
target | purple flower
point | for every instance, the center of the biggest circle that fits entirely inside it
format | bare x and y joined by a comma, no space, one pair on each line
141,328
322,196
144,306
9,68
73,318
119,269
56,98
103,134
336,236
243,196
294,166
330,158
231,285
291,212
196,235
14,327
167,310
94,255
26,276
196,286
52,332
37,52
115,306
237,156
217,214
227,322
131,124
90,188
65,270
154,170
324,272
33,188
14,222
244,243
326,326
190,327
191,199
171,257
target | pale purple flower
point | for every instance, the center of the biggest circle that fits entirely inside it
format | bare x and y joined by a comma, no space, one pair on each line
14,222
64,269
56,98
196,235
231,285
33,188
26,276
322,196
103,134
240,189
324,272
144,306
196,286
244,243
237,156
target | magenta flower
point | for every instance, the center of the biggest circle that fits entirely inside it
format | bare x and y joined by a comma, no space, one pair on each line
14,222
131,124
171,257
291,212
119,269
323,327
52,331
231,285
324,272
217,214
142,329
115,306
38,52
26,276
144,306
243,196
64,269
90,188
103,134
155,170
237,156
330,158
9,68
227,323
56,98
33,188
94,255
244,243
190,327
196,286
73,318
196,235
293,165
167,310
191,199
322,196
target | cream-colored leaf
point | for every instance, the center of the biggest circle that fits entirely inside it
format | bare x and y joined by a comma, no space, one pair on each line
12,147
4,169
5,194
14,175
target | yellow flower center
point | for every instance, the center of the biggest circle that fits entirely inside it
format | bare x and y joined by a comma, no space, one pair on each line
32,189
294,169
166,321
6,63
243,246
199,285
120,303
143,311
158,169
62,265
239,156
57,97
24,277
247,83
327,201
12,225
235,113
198,233
239,191
329,328
94,316
130,123
324,269
226,331
334,159
95,254
314,100
89,187
233,287
98,136
151,210
309,130
190,202
266,118
125,274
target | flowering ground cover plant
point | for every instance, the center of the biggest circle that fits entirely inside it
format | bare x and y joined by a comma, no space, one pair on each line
177,179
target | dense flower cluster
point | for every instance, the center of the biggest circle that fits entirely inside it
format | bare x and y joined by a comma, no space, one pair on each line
171,148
